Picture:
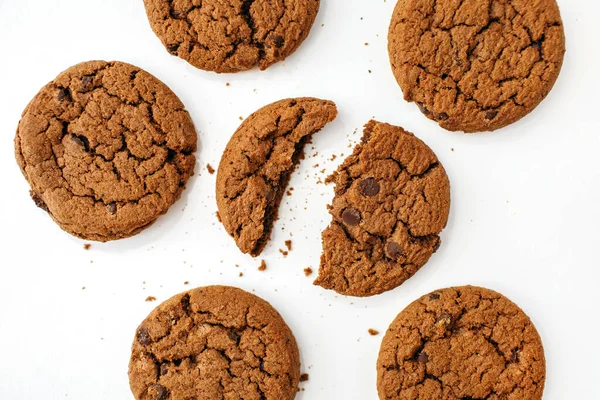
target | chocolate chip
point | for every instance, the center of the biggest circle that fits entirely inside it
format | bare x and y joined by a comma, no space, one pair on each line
38,201
422,357
86,83
351,217
442,116
491,114
143,336
177,14
233,336
514,356
434,296
63,94
423,109
172,48
537,46
446,320
164,369
112,208
277,41
394,250
157,392
369,187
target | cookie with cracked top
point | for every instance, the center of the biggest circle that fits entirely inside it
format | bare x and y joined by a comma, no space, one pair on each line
106,148
228,36
461,343
476,65
214,342
392,199
257,163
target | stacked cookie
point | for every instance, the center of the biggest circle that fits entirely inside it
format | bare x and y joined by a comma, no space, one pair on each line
107,148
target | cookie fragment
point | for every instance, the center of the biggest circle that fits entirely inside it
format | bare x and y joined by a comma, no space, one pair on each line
231,36
392,199
461,343
106,148
476,65
214,342
257,163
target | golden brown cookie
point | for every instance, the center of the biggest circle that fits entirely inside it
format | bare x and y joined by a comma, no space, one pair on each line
106,148
257,164
232,35
461,343
215,342
392,199
476,65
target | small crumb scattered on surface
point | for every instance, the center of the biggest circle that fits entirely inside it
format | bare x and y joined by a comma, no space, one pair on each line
373,332
87,246
288,244
210,169
285,253
241,274
150,298
186,283
303,377
308,271
263,266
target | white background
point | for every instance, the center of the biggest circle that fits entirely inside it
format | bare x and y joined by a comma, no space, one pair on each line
524,219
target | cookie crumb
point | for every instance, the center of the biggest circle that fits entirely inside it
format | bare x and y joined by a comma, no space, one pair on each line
285,253
308,271
210,169
303,377
241,274
288,244
263,266
186,283
150,298
87,246
373,332
227,84
452,149
83,288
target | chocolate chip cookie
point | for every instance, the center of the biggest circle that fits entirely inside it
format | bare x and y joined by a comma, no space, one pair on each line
106,148
461,343
215,342
392,199
257,164
476,65
232,35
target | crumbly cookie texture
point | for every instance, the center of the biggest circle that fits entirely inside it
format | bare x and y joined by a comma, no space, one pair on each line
461,343
106,148
476,65
215,342
392,199
232,35
257,164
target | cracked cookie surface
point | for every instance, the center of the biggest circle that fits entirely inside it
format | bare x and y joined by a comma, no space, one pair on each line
214,343
476,65
461,343
257,163
227,36
392,199
106,148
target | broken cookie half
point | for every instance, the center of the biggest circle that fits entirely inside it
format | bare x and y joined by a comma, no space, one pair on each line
257,164
392,199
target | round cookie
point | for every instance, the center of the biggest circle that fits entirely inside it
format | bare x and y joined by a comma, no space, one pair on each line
392,199
476,65
215,342
232,35
257,163
461,343
106,148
